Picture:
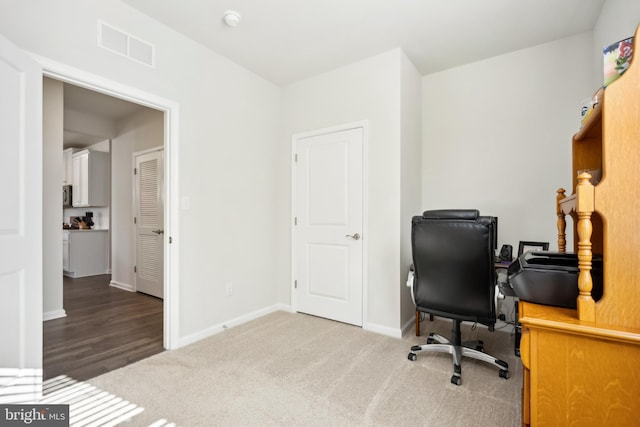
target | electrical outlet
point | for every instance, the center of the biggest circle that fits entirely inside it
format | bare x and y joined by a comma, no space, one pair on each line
229,289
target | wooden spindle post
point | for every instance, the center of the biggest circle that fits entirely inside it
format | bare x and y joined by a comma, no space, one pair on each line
585,208
562,224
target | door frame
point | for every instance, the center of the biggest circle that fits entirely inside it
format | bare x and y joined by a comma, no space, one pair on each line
171,110
364,125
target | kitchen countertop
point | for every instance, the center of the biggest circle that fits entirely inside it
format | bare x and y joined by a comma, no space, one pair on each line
85,229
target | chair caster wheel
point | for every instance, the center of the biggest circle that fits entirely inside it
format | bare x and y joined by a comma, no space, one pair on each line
504,374
430,341
456,380
412,357
480,348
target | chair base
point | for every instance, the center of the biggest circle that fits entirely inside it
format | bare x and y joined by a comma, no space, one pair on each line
473,349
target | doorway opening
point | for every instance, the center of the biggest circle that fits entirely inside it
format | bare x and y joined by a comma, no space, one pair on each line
163,311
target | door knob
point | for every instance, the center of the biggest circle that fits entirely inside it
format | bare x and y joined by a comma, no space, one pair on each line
158,231
355,236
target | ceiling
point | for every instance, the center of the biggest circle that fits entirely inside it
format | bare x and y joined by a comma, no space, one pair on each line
97,104
289,40
104,106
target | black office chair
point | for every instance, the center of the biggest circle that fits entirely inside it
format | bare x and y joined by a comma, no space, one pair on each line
453,258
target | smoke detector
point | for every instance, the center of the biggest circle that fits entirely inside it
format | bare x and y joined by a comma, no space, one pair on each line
231,18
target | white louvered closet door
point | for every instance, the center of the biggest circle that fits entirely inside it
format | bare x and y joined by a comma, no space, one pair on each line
149,205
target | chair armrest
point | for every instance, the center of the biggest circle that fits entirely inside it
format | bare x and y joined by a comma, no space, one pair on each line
410,279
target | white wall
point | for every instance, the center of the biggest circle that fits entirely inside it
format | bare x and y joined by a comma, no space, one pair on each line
52,132
497,135
141,131
410,174
104,146
618,20
228,132
366,90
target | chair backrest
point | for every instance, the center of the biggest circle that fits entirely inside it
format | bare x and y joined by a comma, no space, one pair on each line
453,258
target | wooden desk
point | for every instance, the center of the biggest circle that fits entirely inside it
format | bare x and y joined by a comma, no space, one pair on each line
581,367
577,373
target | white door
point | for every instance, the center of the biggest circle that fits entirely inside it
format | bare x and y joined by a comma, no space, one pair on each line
149,203
328,225
20,226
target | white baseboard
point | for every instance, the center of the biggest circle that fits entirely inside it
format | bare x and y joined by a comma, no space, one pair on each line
55,314
122,286
383,330
213,330
410,324
284,307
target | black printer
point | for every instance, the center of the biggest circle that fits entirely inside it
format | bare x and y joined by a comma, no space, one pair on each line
551,278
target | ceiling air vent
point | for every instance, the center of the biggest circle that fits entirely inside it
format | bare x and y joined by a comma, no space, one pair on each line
125,44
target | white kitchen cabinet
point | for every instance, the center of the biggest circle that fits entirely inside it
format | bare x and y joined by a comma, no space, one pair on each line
65,251
90,170
67,155
85,252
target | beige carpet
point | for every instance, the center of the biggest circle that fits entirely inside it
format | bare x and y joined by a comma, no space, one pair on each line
294,369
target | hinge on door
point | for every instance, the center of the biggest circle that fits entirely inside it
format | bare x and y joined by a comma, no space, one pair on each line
135,269
170,240
135,220
295,284
295,220
135,171
295,157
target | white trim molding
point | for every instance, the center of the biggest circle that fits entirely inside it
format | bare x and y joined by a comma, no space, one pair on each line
408,325
384,330
123,286
216,329
55,314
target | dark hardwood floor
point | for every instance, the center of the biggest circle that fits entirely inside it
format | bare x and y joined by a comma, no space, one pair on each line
106,328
